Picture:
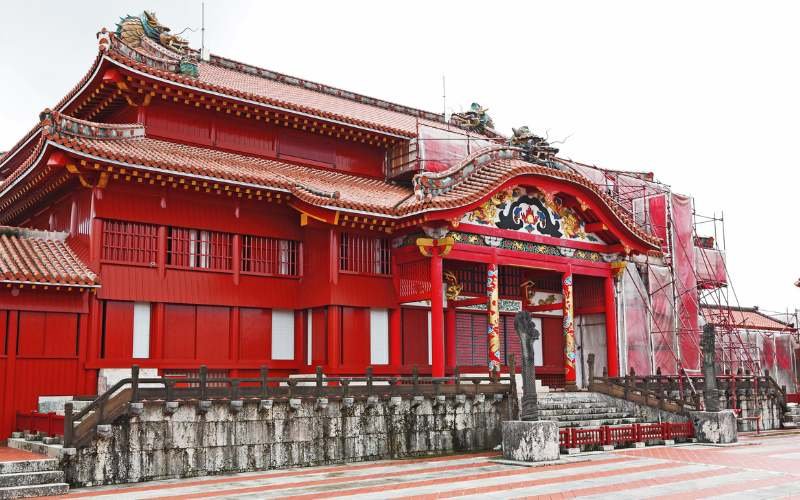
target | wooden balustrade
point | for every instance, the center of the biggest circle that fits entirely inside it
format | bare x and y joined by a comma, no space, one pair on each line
80,427
682,393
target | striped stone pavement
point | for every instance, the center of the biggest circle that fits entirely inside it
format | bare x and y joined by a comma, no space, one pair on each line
760,467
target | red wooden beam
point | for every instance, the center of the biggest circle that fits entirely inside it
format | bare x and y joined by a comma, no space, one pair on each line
544,307
466,302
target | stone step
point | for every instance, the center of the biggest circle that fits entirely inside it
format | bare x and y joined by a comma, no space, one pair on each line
577,411
598,423
597,416
55,404
37,490
567,406
49,450
31,478
22,466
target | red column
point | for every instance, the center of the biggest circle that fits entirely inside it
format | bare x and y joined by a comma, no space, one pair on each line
334,337
493,311
570,352
236,260
612,353
395,339
450,338
7,412
437,315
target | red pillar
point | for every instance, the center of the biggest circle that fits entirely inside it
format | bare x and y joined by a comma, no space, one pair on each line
612,353
437,315
395,339
450,339
334,337
570,352
7,412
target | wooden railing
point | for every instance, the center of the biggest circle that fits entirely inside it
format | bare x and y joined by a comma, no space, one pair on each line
81,427
682,393
575,437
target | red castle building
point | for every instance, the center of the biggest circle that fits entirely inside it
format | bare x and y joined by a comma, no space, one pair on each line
176,210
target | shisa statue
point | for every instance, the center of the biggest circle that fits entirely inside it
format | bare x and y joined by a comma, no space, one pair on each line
528,334
710,392
476,119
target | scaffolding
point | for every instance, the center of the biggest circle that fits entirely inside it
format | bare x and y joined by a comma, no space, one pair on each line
668,298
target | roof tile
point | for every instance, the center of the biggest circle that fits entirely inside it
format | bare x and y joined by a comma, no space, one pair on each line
41,257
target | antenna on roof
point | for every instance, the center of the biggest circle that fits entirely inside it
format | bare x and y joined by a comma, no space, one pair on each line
444,99
203,52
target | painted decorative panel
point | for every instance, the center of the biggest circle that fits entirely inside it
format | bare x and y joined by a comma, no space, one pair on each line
529,211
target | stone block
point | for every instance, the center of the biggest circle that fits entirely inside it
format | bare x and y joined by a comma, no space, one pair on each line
638,444
606,447
717,427
573,451
525,441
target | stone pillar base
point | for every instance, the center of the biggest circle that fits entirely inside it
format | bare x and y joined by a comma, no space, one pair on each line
717,427
530,441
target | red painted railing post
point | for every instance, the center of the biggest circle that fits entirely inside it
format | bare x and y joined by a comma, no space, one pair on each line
637,433
573,437
606,438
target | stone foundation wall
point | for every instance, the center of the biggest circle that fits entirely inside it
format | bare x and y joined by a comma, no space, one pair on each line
160,443
768,408
646,413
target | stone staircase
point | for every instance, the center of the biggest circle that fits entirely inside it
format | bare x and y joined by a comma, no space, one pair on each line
31,478
791,419
581,409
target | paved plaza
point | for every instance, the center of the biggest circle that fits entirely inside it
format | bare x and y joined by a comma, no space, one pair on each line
766,466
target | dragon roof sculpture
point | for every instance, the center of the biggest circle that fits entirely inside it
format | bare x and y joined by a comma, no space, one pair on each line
145,34
476,119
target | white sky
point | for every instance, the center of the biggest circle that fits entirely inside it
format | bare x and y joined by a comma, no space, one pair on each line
704,94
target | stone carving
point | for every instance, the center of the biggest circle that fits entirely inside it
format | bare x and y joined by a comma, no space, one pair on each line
475,120
526,329
710,392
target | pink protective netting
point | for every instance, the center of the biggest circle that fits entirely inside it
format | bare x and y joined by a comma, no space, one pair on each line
768,354
657,208
784,362
635,319
686,281
710,264
662,321
440,149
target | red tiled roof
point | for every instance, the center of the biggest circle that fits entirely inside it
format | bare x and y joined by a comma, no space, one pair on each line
744,318
40,257
319,186
214,77
313,185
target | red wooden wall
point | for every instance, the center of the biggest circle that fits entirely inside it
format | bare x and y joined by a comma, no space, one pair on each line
42,349
248,136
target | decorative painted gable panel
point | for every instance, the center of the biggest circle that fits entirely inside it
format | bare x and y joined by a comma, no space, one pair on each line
527,210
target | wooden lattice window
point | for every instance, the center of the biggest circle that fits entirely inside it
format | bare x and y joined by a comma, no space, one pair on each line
195,248
130,242
270,256
364,254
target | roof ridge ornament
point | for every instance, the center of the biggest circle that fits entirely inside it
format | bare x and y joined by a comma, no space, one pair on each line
145,35
535,149
56,123
477,119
